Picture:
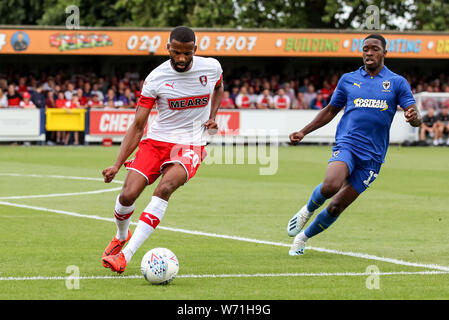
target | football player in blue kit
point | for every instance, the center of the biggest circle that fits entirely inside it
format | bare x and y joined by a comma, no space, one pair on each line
369,97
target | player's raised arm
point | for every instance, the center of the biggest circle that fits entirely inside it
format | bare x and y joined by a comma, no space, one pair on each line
322,118
130,142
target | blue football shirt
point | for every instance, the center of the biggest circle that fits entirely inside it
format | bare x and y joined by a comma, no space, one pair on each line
370,105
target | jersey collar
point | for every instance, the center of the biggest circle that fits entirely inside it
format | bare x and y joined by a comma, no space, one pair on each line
380,74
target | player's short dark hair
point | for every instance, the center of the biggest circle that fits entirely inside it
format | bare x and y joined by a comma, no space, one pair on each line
378,37
182,34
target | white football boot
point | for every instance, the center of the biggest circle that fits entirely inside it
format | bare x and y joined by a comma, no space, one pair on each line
298,221
297,247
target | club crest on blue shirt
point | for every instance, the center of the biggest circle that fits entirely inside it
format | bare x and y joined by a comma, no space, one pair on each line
336,153
386,85
203,80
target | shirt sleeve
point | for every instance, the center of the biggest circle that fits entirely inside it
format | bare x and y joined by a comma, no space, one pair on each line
404,93
148,94
339,97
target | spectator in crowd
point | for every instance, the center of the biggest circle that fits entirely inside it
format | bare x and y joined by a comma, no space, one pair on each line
234,93
95,102
13,97
82,100
252,97
326,91
300,102
226,101
26,102
310,94
305,85
429,127
87,90
242,99
61,101
265,100
96,91
281,100
443,124
111,101
3,99
127,99
70,92
38,97
318,102
50,102
22,86
289,90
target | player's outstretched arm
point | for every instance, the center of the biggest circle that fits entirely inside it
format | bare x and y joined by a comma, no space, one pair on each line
130,142
322,118
412,116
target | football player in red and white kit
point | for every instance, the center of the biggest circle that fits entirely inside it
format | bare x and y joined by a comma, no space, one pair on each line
186,91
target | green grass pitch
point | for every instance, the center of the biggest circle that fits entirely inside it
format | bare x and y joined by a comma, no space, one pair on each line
228,228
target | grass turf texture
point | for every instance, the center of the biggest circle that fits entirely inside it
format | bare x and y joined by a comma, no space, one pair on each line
403,216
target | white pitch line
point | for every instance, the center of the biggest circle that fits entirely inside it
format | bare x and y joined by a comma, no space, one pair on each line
207,234
257,275
50,195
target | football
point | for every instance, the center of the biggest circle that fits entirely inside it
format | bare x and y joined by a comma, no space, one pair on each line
159,266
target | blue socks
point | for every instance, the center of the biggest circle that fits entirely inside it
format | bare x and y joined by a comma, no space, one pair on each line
322,221
316,200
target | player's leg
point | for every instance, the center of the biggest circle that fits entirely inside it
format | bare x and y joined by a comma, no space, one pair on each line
344,197
174,175
336,174
124,208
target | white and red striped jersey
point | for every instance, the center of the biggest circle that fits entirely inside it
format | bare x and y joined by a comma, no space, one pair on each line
183,100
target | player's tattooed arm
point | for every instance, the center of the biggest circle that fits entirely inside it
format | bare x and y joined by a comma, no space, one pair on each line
412,116
322,118
129,143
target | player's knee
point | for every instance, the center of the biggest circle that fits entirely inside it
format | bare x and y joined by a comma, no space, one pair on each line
334,209
165,189
127,197
329,189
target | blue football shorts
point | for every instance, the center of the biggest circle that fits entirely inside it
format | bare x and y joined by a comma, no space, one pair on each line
361,172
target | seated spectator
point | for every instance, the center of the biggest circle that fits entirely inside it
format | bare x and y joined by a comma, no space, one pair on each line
242,99
226,101
3,99
13,97
305,85
87,91
443,125
95,102
310,94
265,101
318,102
429,127
281,100
26,102
300,102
